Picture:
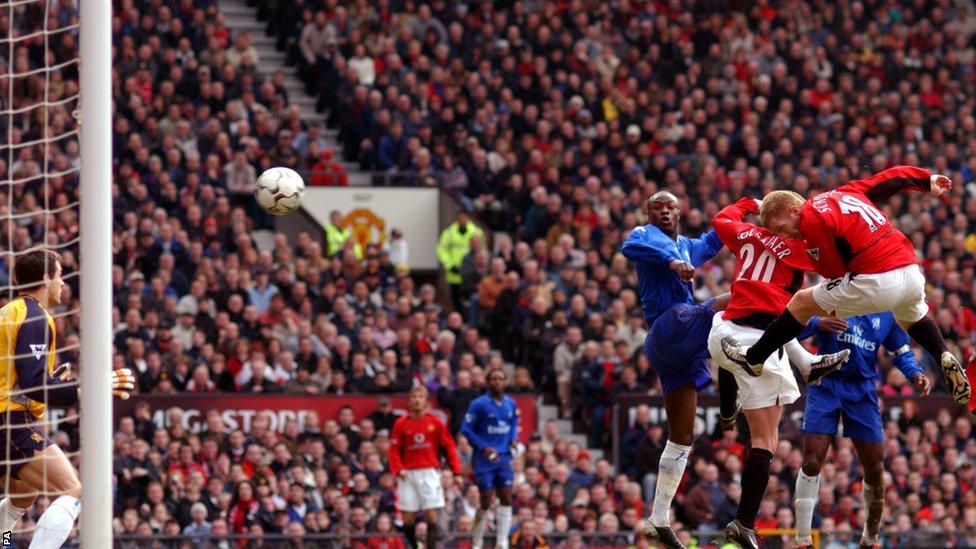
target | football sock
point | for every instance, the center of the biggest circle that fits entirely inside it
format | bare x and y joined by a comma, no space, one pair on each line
674,459
478,530
800,357
807,493
926,333
873,499
54,526
10,515
410,531
779,331
728,392
755,477
503,518
431,535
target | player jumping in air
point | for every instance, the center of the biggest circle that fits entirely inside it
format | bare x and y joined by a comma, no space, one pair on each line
869,265
770,269
491,426
677,343
850,395
29,384
416,442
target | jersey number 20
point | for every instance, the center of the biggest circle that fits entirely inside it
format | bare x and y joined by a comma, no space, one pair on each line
762,267
851,204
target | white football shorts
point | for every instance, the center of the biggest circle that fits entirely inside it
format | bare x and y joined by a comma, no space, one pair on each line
420,490
901,291
776,385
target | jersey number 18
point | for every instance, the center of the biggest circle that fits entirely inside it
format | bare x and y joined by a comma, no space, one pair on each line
853,205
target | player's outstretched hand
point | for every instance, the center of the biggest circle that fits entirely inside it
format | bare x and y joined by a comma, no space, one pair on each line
832,324
922,383
123,383
685,270
940,184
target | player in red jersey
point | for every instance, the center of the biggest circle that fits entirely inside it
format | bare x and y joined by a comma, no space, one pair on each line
770,269
416,443
870,267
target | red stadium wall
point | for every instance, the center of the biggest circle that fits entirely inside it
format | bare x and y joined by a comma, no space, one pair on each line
238,410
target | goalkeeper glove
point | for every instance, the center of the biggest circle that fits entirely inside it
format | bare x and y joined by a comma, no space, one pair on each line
123,383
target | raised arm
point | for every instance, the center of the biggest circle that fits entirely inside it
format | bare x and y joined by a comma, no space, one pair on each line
728,222
647,243
885,184
704,248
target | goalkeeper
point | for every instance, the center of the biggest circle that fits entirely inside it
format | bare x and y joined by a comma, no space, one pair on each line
29,463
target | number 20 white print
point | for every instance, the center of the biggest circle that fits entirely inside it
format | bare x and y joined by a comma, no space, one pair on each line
870,214
764,266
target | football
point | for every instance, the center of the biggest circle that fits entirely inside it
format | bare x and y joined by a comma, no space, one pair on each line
279,191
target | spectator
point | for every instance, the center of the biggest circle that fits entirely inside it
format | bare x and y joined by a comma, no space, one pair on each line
397,248
199,528
454,244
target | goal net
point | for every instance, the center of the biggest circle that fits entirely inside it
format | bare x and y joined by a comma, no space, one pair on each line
40,208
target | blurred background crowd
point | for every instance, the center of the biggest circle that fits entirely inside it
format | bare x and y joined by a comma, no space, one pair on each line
550,122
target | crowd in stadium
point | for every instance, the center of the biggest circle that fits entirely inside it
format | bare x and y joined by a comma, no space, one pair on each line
551,122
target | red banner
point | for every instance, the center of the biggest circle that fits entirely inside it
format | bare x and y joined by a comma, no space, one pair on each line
238,411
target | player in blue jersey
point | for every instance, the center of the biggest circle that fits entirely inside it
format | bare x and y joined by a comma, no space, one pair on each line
491,426
677,342
851,395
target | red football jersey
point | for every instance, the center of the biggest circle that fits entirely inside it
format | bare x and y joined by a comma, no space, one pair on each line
847,233
769,269
416,444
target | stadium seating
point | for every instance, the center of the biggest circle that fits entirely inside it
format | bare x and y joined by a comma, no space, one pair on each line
551,121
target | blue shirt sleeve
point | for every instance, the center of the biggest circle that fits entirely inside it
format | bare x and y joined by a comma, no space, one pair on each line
650,244
898,344
704,248
516,419
469,428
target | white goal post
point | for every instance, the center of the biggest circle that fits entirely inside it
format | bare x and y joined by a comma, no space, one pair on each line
96,272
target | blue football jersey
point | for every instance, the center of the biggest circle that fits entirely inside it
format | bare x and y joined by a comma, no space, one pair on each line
653,251
864,335
491,424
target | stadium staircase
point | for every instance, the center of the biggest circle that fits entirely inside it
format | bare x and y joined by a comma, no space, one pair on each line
240,17
551,411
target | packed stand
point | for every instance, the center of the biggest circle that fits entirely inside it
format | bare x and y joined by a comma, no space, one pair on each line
552,122
199,309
